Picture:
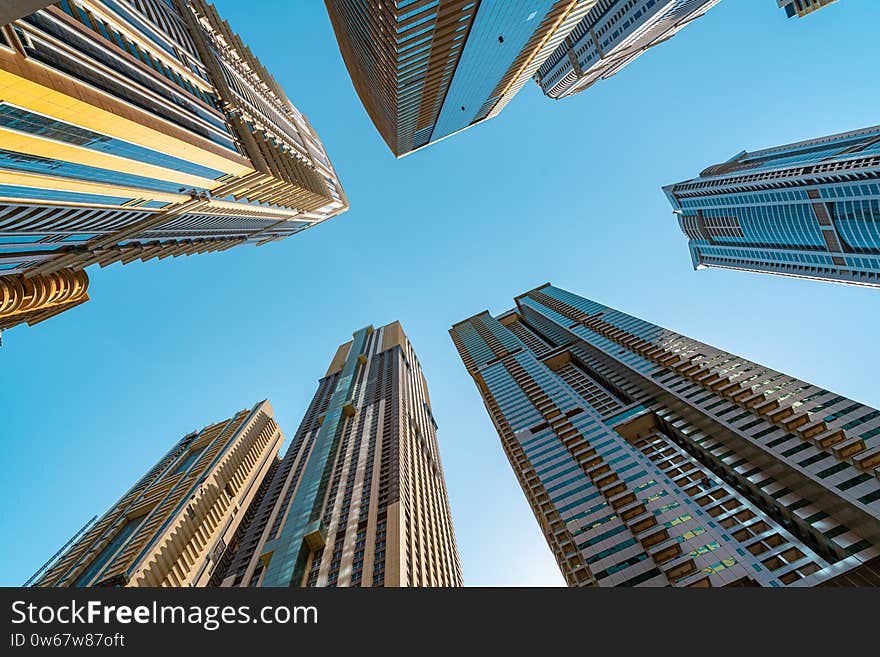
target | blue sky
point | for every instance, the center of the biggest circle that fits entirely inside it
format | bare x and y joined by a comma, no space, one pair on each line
562,191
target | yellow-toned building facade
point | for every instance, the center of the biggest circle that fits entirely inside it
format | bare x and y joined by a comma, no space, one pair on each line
139,129
803,7
180,524
651,459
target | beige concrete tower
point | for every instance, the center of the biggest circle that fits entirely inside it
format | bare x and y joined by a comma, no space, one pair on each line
180,523
652,459
360,497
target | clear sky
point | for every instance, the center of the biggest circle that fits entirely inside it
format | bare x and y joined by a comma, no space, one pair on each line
562,191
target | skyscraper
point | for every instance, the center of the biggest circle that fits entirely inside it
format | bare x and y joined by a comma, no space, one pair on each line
426,69
809,209
803,7
652,459
611,35
139,129
179,524
359,499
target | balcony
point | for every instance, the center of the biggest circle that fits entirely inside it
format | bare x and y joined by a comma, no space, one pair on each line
807,431
667,554
867,459
681,570
653,538
747,392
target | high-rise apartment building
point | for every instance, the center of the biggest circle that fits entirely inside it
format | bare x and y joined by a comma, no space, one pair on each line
139,129
179,524
359,499
652,459
809,209
610,36
803,7
426,69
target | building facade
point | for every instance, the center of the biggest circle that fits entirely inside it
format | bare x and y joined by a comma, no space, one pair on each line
37,298
139,129
179,524
651,459
803,7
427,69
610,36
809,210
13,10
359,499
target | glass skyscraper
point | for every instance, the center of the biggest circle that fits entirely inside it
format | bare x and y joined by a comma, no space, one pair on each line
179,524
37,298
139,129
809,209
610,36
426,69
803,7
360,498
652,459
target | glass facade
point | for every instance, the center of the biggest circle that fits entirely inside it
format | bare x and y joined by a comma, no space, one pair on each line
445,65
178,525
803,7
652,459
100,560
610,36
810,209
361,484
150,127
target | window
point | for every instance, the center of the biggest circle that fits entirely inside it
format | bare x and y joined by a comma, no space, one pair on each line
104,556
